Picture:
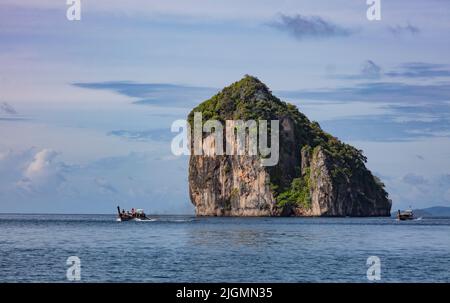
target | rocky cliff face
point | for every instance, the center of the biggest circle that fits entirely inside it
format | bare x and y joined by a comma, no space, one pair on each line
317,175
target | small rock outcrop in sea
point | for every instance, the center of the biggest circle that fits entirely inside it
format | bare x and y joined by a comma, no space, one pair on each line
316,175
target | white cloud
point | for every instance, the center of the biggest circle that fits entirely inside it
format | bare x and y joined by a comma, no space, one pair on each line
37,180
35,171
41,163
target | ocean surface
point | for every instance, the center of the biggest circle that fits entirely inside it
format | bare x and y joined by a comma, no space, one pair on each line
188,249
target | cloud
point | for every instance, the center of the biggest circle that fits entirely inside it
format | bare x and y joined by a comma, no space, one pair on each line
389,92
369,70
414,179
7,109
9,113
12,166
34,180
421,70
30,173
41,163
139,180
105,187
186,96
11,119
385,128
154,93
419,191
425,115
42,174
445,180
162,134
397,122
301,27
406,29
433,190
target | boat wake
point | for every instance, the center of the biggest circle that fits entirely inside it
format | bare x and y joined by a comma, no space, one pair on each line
145,220
415,219
138,220
159,219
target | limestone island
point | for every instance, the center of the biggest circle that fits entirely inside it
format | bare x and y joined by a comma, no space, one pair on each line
316,174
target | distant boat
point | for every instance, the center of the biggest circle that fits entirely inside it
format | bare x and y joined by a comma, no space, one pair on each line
405,215
133,215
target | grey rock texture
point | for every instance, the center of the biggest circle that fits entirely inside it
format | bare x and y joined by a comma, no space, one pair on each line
317,175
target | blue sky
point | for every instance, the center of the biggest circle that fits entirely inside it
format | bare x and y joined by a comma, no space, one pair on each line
86,106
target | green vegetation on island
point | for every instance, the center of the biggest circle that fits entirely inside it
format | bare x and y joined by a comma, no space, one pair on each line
250,99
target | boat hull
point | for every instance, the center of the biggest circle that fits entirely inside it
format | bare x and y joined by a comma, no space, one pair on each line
405,218
137,215
134,219
405,215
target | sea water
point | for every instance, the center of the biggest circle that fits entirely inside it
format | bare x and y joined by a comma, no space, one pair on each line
187,249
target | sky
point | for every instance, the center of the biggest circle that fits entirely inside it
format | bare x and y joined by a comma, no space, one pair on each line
86,106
